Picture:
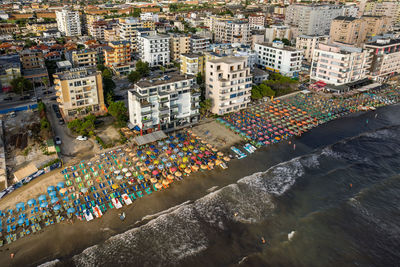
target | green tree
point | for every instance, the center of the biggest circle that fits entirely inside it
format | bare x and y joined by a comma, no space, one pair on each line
143,68
107,74
83,126
136,12
134,76
44,124
101,67
205,106
108,90
199,78
20,85
119,112
255,93
265,90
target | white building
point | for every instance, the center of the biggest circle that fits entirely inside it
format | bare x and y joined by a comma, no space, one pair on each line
338,65
228,84
154,49
232,31
149,16
277,57
166,103
308,44
256,20
68,22
314,19
198,44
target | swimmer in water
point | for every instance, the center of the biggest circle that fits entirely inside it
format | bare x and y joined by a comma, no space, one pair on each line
236,214
263,240
350,185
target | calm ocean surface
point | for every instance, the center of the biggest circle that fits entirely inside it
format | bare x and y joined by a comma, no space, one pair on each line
278,191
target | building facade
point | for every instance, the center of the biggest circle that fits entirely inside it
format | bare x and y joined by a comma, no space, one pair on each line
199,44
277,57
385,58
79,92
68,22
228,84
338,65
179,44
154,49
308,44
278,32
166,103
117,56
32,59
192,64
83,58
232,31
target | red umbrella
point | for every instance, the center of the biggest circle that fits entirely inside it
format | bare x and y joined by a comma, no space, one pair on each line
200,155
155,172
173,169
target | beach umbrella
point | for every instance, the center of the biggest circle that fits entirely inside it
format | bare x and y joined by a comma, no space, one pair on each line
153,180
178,174
114,186
52,194
20,221
119,177
124,170
43,205
71,210
117,171
173,169
150,167
50,188
60,185
20,205
57,207
140,177
160,166
155,172
84,190
54,200
168,164
63,190
31,202
66,199
128,174
158,185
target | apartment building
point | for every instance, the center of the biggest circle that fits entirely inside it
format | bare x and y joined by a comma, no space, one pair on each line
10,68
83,58
117,56
388,9
154,49
32,59
385,58
277,57
198,44
232,31
79,92
127,28
166,103
256,21
111,34
228,84
68,22
308,44
338,64
192,63
179,44
278,32
355,31
313,19
96,29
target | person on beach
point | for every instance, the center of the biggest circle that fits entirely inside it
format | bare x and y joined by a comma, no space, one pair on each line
350,186
12,255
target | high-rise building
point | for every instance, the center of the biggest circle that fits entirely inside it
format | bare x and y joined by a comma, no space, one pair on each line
68,22
388,9
32,59
228,84
164,103
256,21
308,44
80,92
154,49
278,32
192,63
198,44
96,29
179,44
312,19
385,58
83,58
338,64
278,57
232,31
117,55
356,31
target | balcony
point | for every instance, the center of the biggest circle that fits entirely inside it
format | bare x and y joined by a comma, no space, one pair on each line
165,107
145,112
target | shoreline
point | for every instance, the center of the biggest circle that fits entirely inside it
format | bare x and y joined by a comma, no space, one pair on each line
69,239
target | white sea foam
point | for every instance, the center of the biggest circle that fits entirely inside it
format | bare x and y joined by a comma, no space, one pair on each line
49,263
212,189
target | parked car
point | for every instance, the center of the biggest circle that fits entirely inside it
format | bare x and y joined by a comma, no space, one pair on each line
53,98
81,138
13,114
57,139
61,122
9,98
24,97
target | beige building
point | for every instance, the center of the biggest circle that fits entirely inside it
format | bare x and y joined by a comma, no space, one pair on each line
117,55
356,31
385,58
192,63
388,9
80,92
338,64
83,58
308,45
32,59
178,44
228,84
278,32
232,31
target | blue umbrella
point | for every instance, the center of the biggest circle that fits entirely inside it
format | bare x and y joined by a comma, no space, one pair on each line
168,164
176,150
119,177
147,162
143,157
152,146
151,167
139,152
43,205
180,154
50,188
60,185
155,151
164,147
57,207
21,221
54,200
160,166
66,199
53,194
31,202
20,205
71,210
164,159
173,156
195,151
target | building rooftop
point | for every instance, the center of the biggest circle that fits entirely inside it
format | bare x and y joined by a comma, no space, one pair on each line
384,42
63,64
155,36
192,55
76,73
170,78
345,18
285,47
228,60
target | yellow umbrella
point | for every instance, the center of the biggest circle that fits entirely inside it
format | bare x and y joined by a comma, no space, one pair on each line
187,170
220,154
114,186
170,176
153,180
158,185
204,167
182,166
195,168
226,158
165,182
184,159
178,174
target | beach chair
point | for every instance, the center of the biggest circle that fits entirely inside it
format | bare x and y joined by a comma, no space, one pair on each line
139,194
33,227
51,222
132,196
148,190
110,205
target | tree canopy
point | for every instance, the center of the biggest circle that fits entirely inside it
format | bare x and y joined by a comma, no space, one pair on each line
83,126
119,112
134,76
143,68
20,85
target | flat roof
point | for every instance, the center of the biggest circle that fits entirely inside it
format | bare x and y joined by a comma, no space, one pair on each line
229,59
63,64
168,78
285,47
192,55
150,138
